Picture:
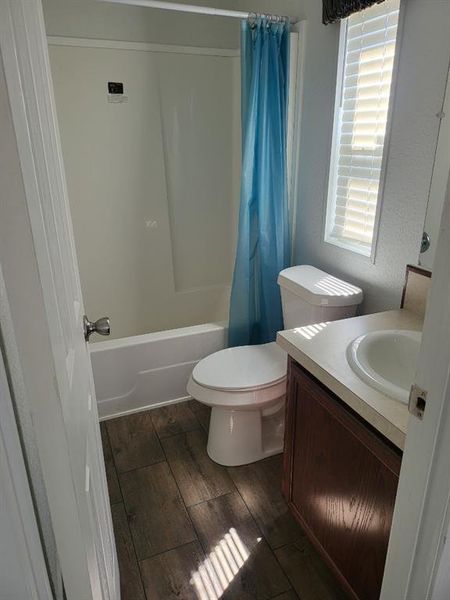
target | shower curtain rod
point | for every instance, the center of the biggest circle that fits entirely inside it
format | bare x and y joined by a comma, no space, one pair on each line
191,8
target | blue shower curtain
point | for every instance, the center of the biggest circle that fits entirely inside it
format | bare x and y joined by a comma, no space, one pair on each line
263,247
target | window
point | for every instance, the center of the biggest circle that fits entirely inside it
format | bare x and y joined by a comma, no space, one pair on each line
366,62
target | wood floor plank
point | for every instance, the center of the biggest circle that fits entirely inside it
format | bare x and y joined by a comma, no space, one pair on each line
130,580
290,595
134,442
173,419
308,574
111,474
157,516
197,476
202,412
230,538
169,576
260,486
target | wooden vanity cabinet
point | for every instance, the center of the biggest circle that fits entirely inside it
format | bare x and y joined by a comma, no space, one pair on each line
340,481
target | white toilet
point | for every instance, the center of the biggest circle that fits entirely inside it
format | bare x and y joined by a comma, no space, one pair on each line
246,385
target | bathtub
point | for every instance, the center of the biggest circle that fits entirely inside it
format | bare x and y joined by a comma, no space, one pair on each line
151,370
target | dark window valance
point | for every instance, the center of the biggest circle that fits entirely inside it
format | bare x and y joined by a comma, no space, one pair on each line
334,10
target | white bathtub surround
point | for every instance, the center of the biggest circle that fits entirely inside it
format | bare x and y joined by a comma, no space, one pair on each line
151,370
159,170
323,354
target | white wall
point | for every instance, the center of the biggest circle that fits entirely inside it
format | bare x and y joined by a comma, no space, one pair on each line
423,63
152,182
99,20
425,52
424,57
439,180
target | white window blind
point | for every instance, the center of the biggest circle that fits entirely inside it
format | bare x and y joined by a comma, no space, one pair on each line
362,101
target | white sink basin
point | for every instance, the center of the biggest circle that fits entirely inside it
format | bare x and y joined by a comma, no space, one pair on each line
386,360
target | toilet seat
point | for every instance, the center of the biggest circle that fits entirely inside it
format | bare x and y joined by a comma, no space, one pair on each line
238,400
242,369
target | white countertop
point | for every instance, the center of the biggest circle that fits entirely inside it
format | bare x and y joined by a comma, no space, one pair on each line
321,350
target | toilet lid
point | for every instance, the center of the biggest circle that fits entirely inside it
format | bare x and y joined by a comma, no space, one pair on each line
242,368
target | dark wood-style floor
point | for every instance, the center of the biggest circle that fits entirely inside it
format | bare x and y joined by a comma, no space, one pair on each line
187,528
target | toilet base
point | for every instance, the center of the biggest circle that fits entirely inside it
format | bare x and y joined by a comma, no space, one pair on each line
240,437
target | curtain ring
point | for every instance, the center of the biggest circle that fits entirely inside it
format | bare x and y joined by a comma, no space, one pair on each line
252,19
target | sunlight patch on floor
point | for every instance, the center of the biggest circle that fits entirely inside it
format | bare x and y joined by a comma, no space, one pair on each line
220,567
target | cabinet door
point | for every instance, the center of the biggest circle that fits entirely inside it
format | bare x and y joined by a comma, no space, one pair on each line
340,481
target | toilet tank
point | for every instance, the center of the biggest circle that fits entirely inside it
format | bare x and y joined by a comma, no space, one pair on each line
309,295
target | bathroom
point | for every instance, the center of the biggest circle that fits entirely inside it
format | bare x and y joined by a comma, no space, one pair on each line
153,182
259,432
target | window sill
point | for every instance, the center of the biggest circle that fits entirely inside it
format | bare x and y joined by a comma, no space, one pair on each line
364,252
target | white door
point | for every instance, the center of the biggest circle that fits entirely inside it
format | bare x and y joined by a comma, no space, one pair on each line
417,561
23,572
88,559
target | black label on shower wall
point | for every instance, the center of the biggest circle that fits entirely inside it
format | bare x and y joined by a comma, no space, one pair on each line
115,87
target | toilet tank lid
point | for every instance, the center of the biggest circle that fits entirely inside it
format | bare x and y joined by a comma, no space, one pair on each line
319,288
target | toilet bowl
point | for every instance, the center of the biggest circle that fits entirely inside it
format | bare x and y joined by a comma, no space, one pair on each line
246,386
